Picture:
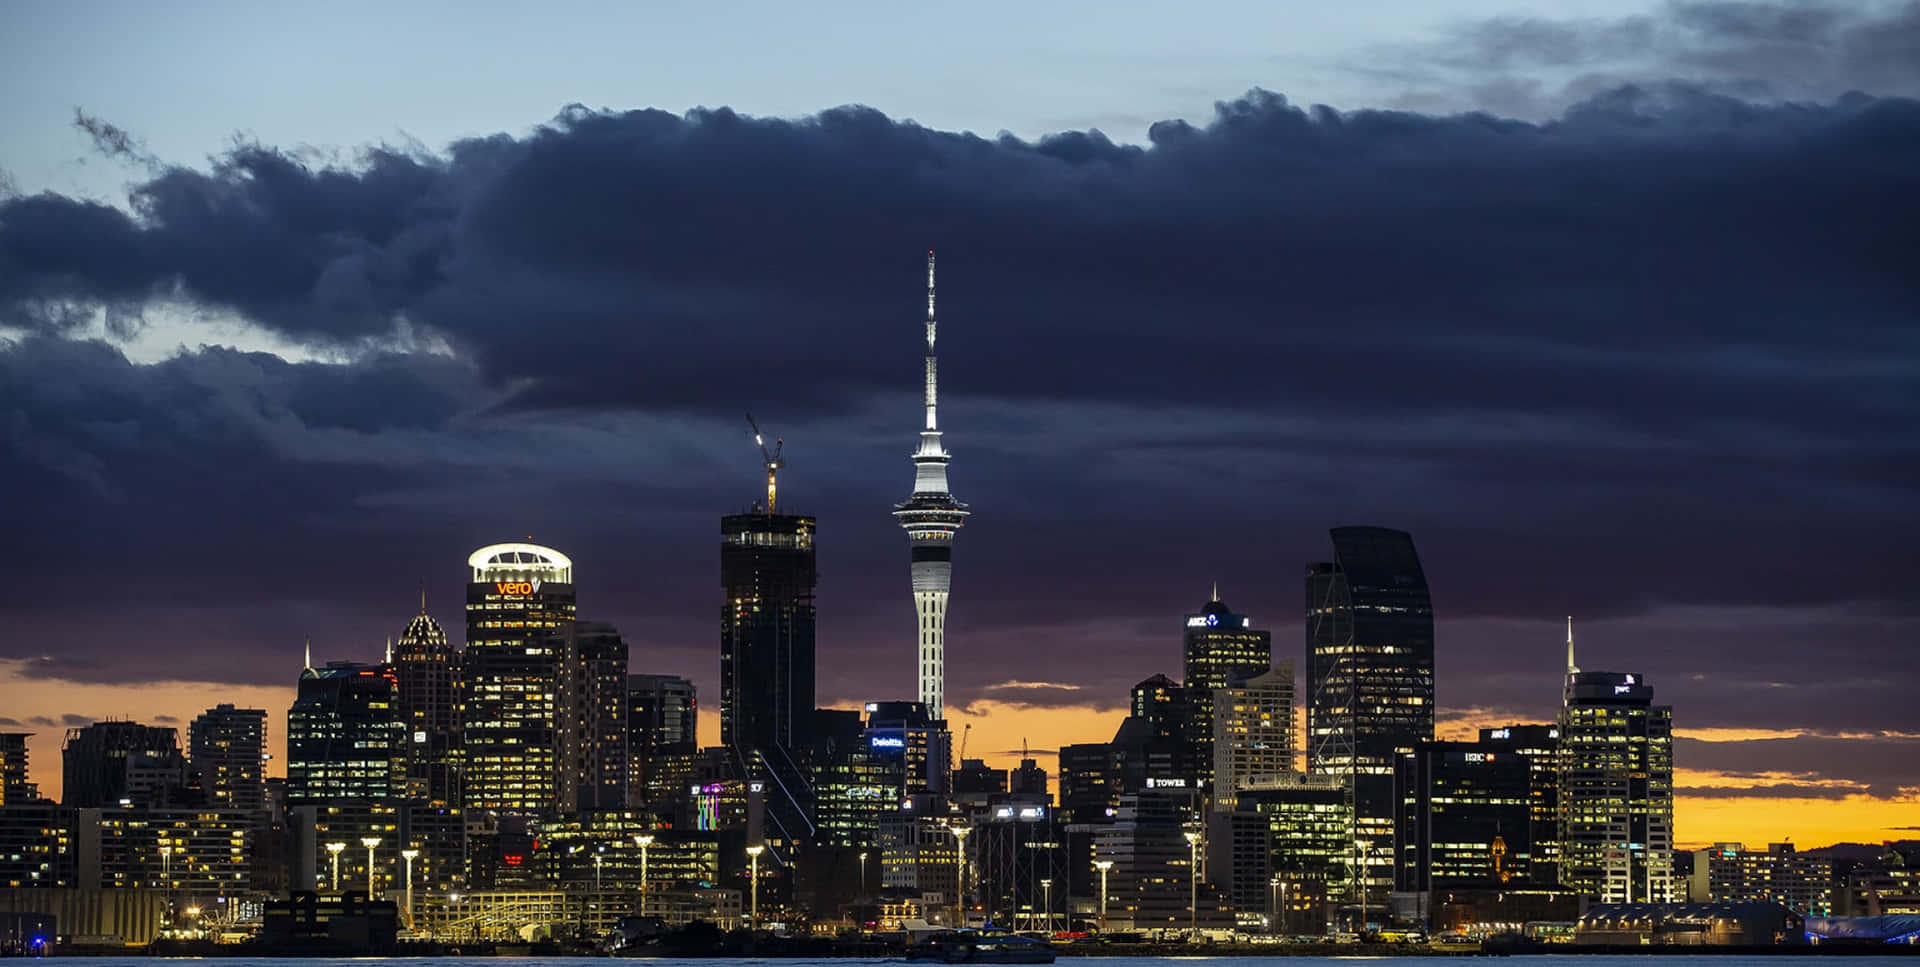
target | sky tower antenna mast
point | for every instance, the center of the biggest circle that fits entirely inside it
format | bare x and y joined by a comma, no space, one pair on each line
774,461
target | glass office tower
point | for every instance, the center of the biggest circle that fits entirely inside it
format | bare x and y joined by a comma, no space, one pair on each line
1369,681
520,601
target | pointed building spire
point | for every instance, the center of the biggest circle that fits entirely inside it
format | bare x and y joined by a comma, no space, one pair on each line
309,653
423,595
1216,592
1571,667
389,658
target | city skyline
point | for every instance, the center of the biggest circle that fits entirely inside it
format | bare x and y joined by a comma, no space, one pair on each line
1633,346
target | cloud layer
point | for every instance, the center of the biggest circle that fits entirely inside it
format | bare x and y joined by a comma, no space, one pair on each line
1651,362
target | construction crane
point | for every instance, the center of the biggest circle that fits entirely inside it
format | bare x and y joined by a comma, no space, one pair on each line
964,733
773,460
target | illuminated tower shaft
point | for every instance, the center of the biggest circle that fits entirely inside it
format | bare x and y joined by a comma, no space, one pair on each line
931,518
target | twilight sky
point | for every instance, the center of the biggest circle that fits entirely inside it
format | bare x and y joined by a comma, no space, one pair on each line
1612,305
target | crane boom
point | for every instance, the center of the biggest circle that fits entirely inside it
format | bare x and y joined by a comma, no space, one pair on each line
773,461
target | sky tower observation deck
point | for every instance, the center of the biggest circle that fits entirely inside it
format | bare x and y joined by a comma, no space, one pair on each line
931,518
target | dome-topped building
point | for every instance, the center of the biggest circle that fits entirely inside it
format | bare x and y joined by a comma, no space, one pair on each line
427,669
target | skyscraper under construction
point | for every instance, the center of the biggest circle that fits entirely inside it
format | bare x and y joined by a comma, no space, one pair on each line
767,660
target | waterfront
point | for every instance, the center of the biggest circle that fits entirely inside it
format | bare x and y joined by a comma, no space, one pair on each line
1853,957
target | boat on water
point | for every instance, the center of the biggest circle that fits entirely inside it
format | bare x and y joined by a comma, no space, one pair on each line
980,947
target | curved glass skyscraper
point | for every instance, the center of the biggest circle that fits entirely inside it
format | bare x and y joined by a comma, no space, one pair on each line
1369,680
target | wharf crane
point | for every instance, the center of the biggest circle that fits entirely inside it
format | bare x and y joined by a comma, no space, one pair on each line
772,460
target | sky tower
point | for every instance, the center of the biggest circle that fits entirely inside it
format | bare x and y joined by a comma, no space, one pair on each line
931,517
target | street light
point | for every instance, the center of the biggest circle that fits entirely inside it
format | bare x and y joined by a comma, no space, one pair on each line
598,858
409,855
960,895
643,841
1360,849
1277,909
335,848
1046,901
753,913
166,874
863,872
1193,885
370,842
1103,866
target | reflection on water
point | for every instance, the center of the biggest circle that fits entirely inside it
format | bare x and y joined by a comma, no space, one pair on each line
1544,960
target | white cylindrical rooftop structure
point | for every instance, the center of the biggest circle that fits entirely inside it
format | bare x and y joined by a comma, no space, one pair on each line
498,562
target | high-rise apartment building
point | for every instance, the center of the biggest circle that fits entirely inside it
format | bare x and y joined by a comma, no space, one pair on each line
344,736
593,702
932,517
107,762
16,788
1801,882
427,668
1616,787
1252,731
1369,680
227,751
520,602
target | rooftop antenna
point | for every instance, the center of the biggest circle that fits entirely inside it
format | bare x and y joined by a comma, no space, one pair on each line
309,653
773,460
1572,668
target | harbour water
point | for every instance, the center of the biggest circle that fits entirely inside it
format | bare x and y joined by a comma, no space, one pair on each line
1543,960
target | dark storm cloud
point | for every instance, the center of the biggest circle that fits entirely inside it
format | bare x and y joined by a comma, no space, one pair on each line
1655,354
1772,790
1837,760
1533,66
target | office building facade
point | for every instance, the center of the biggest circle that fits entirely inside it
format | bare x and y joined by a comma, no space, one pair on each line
520,601
1466,818
1220,649
662,717
1615,789
345,740
428,668
1369,679
1540,746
